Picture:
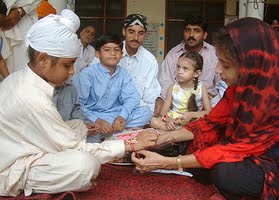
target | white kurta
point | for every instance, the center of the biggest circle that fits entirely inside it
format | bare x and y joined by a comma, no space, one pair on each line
16,36
39,152
85,58
143,68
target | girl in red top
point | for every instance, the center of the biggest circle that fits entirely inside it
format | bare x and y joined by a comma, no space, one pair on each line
238,141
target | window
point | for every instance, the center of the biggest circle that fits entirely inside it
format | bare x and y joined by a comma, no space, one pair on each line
104,15
271,12
178,10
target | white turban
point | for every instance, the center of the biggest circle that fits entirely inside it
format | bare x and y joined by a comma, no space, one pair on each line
56,35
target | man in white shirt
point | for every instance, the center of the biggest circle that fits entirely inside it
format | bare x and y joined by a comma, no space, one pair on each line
40,153
138,61
87,51
21,15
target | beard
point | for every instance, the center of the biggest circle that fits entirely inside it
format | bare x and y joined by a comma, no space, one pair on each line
193,43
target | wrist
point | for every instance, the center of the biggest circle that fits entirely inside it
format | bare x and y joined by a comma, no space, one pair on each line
98,120
179,163
130,144
162,139
128,147
171,137
170,163
21,12
164,118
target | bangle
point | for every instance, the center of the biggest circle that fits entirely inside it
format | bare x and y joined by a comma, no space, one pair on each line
172,136
164,118
178,162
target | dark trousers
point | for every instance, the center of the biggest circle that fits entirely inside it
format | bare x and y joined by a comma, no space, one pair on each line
234,180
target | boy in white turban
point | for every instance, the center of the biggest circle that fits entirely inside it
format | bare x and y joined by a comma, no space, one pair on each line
39,152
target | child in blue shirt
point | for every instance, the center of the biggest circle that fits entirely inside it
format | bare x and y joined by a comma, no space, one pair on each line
107,93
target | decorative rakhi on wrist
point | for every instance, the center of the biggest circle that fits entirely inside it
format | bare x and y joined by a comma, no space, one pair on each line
131,141
164,118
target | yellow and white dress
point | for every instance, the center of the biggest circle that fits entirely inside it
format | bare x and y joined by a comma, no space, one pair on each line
180,98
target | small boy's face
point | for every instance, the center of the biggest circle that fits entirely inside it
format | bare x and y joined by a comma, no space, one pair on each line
109,55
56,72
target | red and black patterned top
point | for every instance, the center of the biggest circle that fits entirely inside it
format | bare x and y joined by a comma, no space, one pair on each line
245,123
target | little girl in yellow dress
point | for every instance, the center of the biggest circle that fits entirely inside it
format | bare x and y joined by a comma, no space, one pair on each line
187,99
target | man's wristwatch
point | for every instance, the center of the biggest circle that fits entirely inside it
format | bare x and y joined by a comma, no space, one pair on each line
21,12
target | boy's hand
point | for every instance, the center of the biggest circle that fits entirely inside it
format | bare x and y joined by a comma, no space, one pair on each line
93,129
104,126
119,124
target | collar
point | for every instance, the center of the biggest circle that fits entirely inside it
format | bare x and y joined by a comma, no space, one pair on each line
106,71
81,45
69,82
125,54
38,82
181,46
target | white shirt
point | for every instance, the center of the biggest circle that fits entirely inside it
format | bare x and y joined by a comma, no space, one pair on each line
15,37
30,126
85,58
143,68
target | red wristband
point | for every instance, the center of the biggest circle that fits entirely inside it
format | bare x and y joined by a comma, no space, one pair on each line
133,147
164,118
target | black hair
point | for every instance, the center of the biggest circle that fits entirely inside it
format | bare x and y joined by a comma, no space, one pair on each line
198,59
87,25
196,20
108,38
3,8
223,42
32,54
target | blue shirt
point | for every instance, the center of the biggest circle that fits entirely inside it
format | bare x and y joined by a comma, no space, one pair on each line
102,95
